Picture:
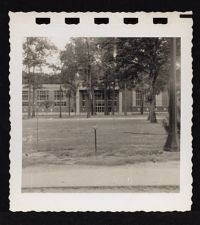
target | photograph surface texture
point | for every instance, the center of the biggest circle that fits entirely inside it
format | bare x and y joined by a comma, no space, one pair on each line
101,110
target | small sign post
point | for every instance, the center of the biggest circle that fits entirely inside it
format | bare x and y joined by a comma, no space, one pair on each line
95,139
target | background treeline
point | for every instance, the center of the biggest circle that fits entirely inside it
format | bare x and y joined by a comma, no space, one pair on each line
104,63
42,78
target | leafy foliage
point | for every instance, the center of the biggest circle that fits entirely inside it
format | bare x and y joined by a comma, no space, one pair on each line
105,63
35,53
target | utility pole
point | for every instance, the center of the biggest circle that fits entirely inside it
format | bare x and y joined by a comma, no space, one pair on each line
171,142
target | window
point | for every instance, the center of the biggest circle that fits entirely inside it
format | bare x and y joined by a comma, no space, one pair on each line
24,95
83,95
99,98
165,99
141,98
138,98
58,95
43,95
60,104
24,103
159,100
110,102
99,101
83,103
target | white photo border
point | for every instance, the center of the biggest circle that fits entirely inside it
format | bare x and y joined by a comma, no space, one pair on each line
23,25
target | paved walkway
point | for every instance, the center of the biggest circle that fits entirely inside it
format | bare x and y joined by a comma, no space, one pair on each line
101,116
61,176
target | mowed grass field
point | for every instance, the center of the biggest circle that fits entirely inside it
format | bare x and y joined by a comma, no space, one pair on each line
71,141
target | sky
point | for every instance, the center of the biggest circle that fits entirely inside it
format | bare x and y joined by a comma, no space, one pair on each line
60,41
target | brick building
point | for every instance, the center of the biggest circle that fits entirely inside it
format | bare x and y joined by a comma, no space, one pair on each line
50,97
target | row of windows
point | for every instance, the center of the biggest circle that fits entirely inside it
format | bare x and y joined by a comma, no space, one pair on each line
58,95
141,98
99,95
44,95
25,95
55,104
60,103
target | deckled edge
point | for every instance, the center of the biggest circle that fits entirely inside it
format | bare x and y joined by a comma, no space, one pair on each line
96,12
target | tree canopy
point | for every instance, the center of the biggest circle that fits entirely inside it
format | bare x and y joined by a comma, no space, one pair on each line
104,63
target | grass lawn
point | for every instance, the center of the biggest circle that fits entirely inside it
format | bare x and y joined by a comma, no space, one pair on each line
71,141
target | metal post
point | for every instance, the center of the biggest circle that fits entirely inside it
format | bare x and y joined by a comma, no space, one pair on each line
171,142
95,139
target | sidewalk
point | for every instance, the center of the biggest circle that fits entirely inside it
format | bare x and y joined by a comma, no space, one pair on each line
97,117
62,176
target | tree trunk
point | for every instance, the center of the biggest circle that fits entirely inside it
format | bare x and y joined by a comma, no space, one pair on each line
148,117
172,142
60,115
152,112
60,111
33,103
75,102
29,95
109,94
105,100
92,107
142,104
89,80
113,100
69,108
125,105
93,103
88,104
89,95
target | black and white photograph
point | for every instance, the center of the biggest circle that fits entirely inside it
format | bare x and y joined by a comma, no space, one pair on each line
100,113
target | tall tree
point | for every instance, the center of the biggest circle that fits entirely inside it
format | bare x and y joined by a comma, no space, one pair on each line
153,57
35,53
84,49
142,86
56,67
128,65
108,77
69,72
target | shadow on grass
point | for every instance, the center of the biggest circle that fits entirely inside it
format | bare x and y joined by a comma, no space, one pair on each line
143,133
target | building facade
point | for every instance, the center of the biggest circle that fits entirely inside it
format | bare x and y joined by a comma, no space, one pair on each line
52,97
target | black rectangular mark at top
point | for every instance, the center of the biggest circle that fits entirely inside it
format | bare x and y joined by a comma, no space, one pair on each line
72,20
130,20
42,20
185,15
160,20
101,20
